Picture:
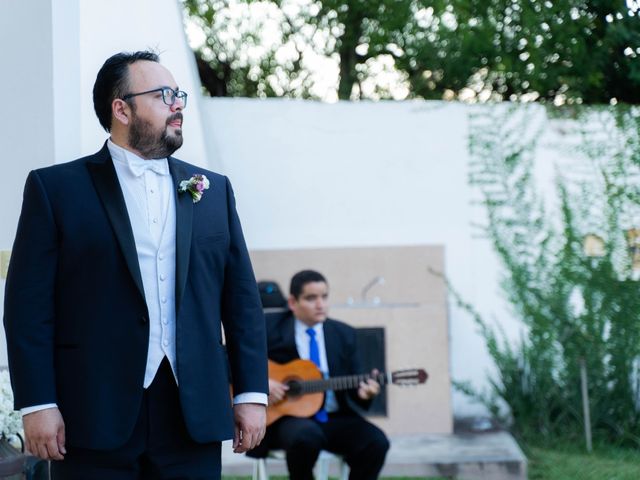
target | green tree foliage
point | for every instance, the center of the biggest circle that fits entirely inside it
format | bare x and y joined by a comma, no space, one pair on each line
349,34
236,59
575,306
569,50
573,51
365,30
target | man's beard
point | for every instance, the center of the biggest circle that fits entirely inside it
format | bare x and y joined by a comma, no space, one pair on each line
154,144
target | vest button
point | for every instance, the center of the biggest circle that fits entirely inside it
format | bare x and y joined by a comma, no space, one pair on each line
143,319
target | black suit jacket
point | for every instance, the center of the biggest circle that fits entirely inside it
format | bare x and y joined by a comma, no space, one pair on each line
75,313
341,348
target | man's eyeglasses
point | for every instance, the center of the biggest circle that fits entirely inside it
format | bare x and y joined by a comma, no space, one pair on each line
169,95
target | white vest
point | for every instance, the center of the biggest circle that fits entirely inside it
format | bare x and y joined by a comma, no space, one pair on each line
157,258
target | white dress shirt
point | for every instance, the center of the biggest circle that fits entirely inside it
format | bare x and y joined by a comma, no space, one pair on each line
302,345
148,193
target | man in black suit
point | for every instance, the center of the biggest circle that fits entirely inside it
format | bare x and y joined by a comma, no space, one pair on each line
307,333
125,266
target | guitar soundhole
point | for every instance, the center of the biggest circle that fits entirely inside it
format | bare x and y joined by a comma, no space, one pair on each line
295,388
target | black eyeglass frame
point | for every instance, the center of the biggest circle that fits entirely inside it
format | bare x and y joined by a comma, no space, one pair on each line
182,95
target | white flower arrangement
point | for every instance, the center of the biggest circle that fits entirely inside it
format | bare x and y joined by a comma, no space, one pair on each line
10,420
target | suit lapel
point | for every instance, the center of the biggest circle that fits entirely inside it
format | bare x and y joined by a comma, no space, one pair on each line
289,336
184,220
106,183
332,350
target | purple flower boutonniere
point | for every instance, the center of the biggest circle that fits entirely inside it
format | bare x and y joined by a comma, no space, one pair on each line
196,186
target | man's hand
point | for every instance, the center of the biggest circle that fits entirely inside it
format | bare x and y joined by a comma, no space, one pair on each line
369,389
44,434
251,424
277,391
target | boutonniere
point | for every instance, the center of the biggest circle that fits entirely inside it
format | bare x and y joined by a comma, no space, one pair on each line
196,186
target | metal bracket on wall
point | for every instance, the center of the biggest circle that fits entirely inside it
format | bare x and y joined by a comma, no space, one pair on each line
5,255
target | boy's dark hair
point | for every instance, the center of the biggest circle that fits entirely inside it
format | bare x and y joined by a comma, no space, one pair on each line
112,82
300,279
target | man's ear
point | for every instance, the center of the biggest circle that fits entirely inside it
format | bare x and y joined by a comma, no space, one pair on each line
292,302
121,111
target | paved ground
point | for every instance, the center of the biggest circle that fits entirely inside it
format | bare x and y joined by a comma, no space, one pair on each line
493,455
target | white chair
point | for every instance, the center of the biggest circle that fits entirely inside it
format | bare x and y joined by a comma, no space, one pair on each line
321,469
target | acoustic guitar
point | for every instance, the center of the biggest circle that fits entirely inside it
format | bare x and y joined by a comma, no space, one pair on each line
307,386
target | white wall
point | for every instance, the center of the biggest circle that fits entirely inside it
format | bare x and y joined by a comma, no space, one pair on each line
65,56
308,174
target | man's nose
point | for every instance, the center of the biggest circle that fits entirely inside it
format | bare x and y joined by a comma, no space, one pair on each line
177,106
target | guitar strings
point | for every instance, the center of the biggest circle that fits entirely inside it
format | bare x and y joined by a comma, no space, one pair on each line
340,383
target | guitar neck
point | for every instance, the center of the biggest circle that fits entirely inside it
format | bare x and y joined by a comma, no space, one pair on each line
348,382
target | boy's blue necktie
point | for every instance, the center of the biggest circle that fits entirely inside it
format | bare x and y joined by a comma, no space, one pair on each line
314,356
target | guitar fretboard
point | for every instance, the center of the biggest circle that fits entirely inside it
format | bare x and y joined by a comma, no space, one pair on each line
347,382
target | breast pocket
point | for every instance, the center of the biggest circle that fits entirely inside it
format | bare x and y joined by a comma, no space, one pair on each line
216,238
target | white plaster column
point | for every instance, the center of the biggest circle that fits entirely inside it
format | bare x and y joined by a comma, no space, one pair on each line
67,121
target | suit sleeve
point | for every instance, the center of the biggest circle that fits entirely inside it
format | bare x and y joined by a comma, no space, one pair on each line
242,314
29,308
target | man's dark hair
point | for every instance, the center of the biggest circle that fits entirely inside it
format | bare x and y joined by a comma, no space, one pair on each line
300,279
113,82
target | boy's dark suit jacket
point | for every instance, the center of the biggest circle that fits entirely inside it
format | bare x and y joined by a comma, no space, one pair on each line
342,356
76,318
340,344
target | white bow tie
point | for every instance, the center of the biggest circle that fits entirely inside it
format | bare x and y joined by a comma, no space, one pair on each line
139,165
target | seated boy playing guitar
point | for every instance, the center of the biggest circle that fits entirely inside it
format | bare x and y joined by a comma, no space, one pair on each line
306,333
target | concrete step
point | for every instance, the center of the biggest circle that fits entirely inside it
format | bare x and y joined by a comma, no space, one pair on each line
464,456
